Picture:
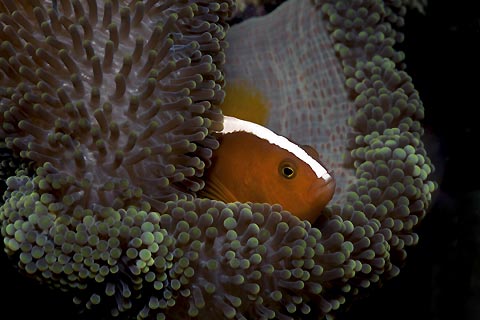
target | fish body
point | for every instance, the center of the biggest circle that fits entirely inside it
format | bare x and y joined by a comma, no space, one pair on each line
254,164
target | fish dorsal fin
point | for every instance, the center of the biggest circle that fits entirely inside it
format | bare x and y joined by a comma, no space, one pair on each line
215,189
244,101
311,151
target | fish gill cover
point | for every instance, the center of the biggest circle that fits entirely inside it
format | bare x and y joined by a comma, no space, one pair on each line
106,112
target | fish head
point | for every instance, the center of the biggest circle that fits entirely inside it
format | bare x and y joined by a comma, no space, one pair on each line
296,187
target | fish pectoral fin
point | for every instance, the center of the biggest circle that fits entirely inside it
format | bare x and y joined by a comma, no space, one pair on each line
214,189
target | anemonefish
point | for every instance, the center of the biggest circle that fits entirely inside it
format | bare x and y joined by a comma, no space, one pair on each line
254,164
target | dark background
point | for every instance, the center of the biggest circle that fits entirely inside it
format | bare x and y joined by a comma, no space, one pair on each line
441,279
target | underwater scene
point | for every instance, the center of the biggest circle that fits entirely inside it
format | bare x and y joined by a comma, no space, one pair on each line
239,159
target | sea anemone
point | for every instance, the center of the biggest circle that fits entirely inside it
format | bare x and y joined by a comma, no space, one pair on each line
107,110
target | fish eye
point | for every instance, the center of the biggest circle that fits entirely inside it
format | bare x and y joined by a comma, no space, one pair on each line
287,170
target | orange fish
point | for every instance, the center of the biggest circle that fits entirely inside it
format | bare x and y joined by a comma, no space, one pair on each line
254,164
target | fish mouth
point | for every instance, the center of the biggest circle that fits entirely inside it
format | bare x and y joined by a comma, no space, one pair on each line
321,192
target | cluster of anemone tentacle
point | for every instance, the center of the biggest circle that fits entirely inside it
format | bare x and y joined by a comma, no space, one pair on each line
106,112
